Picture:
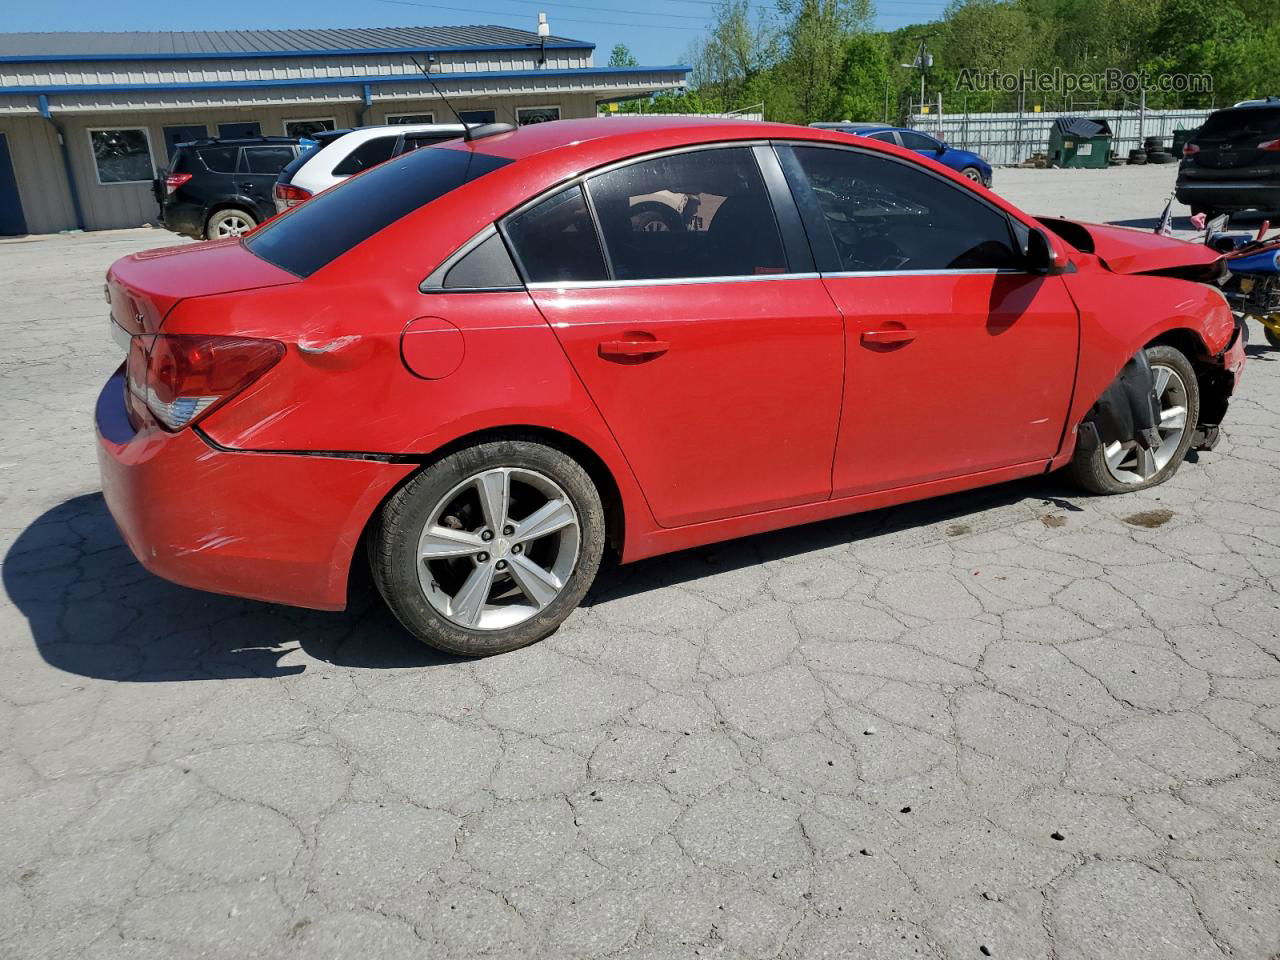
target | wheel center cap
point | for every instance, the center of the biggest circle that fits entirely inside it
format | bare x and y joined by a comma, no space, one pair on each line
501,547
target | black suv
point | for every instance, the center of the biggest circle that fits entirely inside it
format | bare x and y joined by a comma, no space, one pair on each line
1233,161
222,188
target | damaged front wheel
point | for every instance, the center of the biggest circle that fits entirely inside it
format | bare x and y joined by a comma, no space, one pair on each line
1138,433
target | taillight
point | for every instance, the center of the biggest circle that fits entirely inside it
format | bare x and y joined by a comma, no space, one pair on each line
290,195
182,377
1190,150
174,180
1270,146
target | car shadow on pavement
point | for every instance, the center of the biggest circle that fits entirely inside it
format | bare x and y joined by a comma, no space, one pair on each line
94,611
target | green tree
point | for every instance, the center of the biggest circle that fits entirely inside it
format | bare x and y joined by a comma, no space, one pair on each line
622,57
864,88
816,33
728,65
1200,36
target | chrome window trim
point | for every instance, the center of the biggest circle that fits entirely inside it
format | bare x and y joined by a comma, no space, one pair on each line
667,281
940,272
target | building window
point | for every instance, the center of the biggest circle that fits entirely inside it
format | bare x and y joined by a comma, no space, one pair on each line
527,115
398,118
308,126
122,156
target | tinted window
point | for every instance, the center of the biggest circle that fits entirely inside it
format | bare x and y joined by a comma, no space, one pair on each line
886,136
267,159
220,159
886,215
368,154
700,214
122,156
555,241
331,223
1262,121
487,267
917,141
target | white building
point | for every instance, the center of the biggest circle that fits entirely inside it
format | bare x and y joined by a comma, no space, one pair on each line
86,118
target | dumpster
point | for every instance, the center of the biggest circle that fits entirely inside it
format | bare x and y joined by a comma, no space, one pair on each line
1077,142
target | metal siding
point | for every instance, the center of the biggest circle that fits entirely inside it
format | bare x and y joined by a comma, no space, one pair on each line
37,165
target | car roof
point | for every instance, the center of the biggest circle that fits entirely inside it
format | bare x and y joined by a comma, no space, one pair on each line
854,126
237,141
361,134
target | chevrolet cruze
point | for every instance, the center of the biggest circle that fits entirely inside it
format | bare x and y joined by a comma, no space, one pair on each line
479,366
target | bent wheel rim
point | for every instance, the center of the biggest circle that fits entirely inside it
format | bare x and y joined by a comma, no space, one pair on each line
1128,461
498,548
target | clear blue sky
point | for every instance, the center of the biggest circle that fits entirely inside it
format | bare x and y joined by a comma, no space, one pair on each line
657,31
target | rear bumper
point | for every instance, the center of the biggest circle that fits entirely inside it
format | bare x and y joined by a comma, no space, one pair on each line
1229,196
275,527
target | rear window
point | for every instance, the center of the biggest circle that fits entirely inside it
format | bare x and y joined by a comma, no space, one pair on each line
366,155
1260,121
331,223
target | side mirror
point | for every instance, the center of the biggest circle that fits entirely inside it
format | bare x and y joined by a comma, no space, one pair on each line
942,148
1040,256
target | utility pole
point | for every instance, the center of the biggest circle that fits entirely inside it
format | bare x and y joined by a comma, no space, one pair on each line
923,61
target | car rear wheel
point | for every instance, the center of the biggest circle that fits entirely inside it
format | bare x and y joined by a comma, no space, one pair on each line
490,548
1123,466
973,173
232,222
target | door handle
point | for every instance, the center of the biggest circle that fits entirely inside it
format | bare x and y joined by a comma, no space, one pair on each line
893,335
633,348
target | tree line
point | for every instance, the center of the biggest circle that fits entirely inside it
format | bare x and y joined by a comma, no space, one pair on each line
808,60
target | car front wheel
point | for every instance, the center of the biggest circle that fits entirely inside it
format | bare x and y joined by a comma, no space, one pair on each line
1122,466
490,548
973,173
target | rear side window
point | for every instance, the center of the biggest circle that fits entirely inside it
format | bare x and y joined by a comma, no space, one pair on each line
555,241
266,159
700,214
368,154
917,141
886,215
331,223
220,159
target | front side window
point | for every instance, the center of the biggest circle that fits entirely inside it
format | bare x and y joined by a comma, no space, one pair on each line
267,159
884,214
331,223
917,141
122,156
308,127
368,154
555,240
700,214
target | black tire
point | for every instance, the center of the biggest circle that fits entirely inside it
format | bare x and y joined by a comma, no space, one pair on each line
1089,470
972,173
655,216
224,218
1137,157
1153,144
393,545
1160,157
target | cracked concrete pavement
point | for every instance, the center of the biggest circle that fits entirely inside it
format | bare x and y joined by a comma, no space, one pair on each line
1015,723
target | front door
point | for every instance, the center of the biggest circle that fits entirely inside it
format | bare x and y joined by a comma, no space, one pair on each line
12,221
959,361
716,364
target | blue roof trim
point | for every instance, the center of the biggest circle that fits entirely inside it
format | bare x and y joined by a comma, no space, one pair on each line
331,81
266,54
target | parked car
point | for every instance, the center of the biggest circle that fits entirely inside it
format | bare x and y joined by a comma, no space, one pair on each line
214,189
340,154
475,370
962,161
1233,161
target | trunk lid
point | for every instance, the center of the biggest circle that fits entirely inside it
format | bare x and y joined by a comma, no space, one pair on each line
144,287
1230,139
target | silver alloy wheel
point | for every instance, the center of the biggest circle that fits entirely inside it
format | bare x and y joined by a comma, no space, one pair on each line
1128,461
973,173
233,226
498,548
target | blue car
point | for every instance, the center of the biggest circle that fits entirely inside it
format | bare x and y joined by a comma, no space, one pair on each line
962,161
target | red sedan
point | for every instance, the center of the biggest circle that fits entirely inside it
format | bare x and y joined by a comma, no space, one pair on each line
482,365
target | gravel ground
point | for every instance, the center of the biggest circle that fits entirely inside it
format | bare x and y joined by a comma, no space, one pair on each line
1016,723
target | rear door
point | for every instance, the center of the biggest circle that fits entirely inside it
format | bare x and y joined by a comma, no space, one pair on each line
702,334
256,176
958,361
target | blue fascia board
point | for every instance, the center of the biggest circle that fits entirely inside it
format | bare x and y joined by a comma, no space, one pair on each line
331,81
266,54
